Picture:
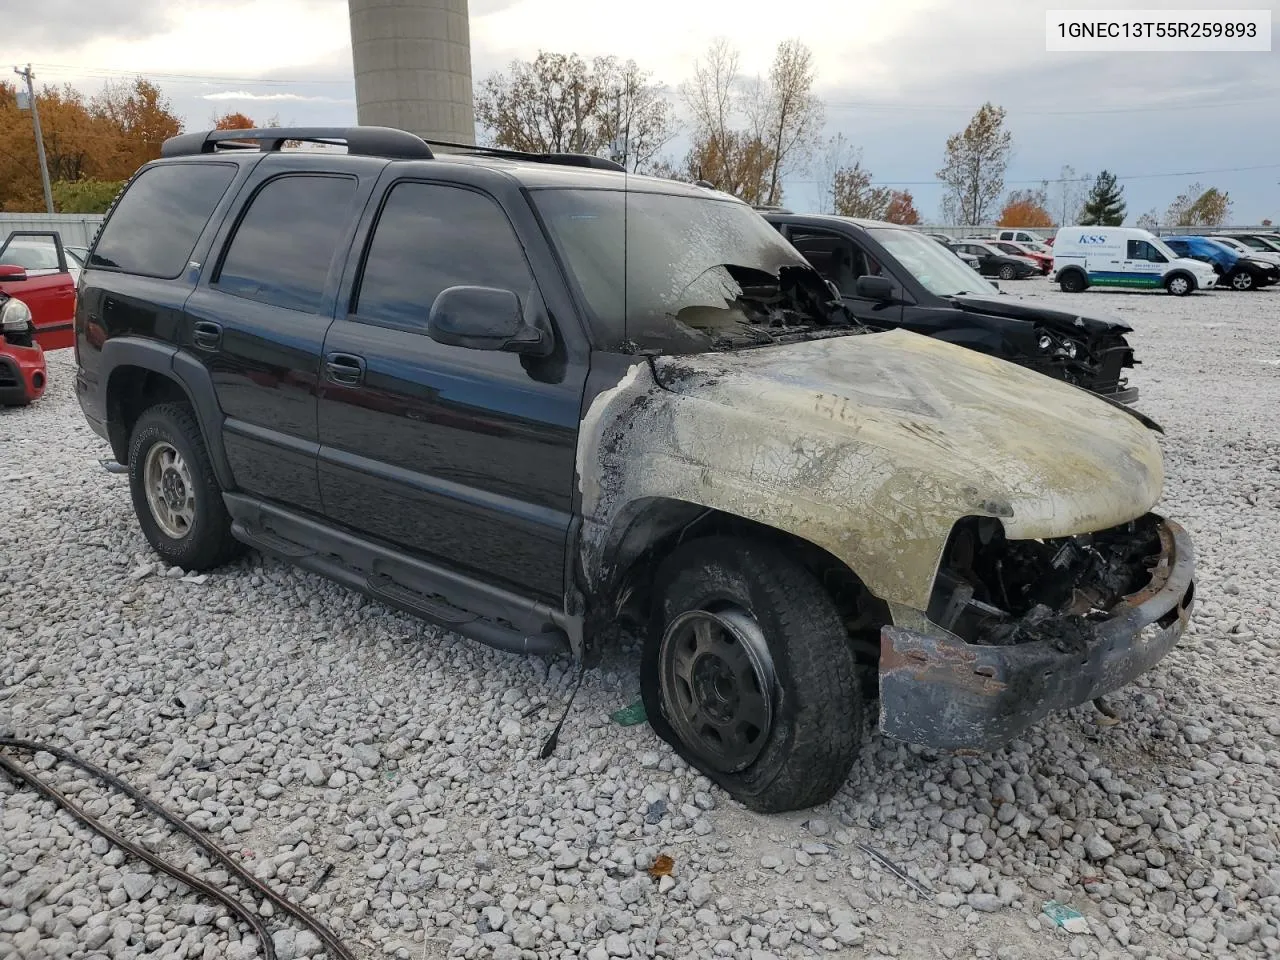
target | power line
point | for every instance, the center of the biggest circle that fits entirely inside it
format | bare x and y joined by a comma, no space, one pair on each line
109,73
1038,180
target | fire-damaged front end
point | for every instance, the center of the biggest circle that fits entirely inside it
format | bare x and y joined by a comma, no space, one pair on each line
1018,628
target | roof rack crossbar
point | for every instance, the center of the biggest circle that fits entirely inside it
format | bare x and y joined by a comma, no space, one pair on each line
561,159
364,141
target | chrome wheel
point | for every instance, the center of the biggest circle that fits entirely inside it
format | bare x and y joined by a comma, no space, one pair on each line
717,680
171,494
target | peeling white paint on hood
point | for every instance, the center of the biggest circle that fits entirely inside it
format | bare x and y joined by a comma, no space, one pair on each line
870,446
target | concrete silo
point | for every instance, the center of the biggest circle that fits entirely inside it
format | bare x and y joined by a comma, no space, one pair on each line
413,66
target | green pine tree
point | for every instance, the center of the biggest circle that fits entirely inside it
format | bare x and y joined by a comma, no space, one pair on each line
1105,205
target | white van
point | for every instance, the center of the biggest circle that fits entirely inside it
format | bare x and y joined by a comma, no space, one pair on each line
1124,257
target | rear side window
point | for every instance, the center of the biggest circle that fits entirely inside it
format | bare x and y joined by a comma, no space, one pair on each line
429,237
154,227
283,247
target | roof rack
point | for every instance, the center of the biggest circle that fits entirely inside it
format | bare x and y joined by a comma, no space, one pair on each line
364,141
561,159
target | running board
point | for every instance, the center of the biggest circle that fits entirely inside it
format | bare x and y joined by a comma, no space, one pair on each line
453,601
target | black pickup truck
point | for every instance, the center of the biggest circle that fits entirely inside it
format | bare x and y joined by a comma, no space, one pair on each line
531,397
895,277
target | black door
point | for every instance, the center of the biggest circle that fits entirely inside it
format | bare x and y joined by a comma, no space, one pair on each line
463,456
842,260
259,323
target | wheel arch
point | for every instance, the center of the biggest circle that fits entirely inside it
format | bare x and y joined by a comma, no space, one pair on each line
1180,272
648,530
1072,268
141,373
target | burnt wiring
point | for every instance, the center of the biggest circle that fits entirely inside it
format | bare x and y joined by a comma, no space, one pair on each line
249,916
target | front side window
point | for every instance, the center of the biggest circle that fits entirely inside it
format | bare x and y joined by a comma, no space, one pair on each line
284,245
30,253
1142,250
430,237
836,258
155,225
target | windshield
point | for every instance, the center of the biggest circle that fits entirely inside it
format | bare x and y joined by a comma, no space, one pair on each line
1035,247
1233,244
940,272
1162,247
681,273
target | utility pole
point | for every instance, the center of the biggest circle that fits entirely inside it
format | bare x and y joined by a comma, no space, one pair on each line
28,76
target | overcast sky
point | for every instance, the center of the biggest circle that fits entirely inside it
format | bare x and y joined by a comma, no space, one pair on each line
898,77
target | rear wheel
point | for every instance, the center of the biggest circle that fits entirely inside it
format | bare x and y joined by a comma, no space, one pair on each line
1179,285
1242,280
1008,272
749,673
1071,282
175,494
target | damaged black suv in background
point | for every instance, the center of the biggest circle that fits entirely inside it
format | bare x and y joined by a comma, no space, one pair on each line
530,397
894,277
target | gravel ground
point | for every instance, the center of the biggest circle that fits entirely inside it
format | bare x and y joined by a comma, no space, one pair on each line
309,730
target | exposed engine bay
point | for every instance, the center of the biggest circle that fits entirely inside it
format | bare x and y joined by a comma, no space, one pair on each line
999,592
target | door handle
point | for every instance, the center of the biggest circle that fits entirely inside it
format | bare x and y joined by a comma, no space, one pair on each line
207,335
344,368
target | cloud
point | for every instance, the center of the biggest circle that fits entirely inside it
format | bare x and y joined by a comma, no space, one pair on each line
66,23
273,97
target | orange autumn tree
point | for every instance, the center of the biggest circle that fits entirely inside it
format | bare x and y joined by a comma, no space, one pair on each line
233,121
902,208
103,139
1025,208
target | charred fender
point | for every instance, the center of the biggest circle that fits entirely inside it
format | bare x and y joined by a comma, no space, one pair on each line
871,447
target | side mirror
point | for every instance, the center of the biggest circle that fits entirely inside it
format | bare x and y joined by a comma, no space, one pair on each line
9,272
484,318
874,288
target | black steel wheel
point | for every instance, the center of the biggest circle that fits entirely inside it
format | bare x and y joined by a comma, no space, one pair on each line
1071,281
749,673
717,682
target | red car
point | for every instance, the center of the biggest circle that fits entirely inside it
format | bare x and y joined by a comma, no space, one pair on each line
34,268
1043,261
22,369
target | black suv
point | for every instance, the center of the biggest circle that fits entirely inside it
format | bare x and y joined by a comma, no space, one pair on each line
892,276
528,397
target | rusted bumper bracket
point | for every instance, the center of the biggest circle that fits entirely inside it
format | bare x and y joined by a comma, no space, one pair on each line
945,693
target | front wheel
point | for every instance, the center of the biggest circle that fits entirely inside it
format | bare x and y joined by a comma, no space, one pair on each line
1179,285
1243,280
175,494
1071,282
749,673
1008,272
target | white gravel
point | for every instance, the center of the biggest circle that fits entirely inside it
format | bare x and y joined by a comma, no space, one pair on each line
304,727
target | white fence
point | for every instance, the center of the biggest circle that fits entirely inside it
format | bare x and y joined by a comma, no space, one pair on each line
76,229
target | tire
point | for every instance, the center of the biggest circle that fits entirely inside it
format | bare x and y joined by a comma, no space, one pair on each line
167,454
1008,272
1071,282
1180,285
1242,280
802,751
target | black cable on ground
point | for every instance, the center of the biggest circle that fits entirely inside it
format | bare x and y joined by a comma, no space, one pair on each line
333,945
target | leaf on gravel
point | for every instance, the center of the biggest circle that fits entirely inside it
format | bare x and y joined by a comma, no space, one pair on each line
629,716
663,866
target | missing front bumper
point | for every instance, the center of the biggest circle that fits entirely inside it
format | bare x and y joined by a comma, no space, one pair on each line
943,692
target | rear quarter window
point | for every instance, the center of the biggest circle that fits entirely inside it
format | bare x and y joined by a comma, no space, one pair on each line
155,225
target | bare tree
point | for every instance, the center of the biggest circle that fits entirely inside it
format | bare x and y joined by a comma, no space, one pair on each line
974,165
1067,196
785,112
560,103
748,133
1149,220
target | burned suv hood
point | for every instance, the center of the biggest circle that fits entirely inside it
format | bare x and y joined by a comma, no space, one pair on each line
1059,320
871,447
